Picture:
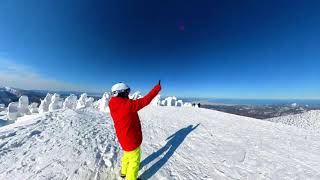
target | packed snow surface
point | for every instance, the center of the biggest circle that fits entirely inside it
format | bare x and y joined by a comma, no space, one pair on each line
308,120
179,143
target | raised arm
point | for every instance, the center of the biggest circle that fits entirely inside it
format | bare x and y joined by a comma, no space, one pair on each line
136,105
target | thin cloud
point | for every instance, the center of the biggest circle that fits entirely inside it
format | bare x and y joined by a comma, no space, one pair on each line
24,77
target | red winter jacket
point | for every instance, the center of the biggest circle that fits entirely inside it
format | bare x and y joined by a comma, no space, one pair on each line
124,113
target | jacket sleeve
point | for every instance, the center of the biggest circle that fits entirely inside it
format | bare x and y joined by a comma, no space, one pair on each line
136,105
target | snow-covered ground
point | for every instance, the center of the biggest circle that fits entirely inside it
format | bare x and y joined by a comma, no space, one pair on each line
179,143
308,120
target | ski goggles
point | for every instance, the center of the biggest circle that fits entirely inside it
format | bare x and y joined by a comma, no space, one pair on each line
115,93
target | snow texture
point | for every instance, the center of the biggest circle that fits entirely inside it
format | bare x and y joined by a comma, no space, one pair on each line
179,143
59,145
308,120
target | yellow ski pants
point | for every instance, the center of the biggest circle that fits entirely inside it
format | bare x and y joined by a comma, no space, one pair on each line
130,163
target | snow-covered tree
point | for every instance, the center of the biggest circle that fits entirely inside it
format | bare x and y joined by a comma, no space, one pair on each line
33,108
13,111
179,103
56,102
89,102
136,95
170,101
104,102
44,105
23,105
70,102
187,104
81,103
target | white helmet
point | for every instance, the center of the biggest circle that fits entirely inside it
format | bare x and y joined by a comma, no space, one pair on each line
119,88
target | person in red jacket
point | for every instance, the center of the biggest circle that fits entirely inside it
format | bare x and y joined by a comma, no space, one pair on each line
124,112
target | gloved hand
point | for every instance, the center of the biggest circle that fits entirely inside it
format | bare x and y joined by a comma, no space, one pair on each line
159,83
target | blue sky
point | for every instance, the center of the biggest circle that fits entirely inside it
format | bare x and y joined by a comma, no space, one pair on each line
225,49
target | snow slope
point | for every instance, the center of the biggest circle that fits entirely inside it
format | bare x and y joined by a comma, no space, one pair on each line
179,143
308,120
65,144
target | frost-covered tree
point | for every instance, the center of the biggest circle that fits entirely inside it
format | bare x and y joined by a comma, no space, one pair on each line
179,103
13,111
89,102
33,108
56,102
163,103
23,105
136,95
44,105
70,102
187,104
81,103
104,102
170,101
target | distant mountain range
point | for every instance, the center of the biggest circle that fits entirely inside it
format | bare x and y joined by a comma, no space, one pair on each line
9,94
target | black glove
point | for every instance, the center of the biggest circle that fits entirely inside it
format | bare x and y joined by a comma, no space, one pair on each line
159,83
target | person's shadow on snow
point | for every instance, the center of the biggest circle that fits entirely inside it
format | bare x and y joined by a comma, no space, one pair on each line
174,141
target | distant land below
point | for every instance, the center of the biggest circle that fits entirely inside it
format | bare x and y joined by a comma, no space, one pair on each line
255,102
266,101
259,108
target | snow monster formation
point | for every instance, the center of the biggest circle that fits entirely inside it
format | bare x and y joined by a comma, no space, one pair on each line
23,106
56,102
70,102
179,103
89,102
81,103
187,104
169,101
33,108
44,105
18,109
103,104
136,95
84,101
13,111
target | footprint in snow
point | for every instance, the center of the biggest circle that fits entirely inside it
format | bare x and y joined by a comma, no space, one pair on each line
35,132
